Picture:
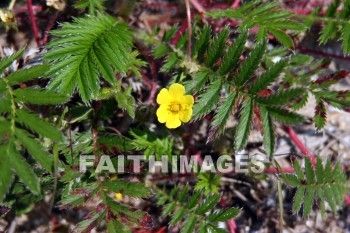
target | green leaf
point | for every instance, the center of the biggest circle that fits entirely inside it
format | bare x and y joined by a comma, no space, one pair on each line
223,215
308,201
282,37
35,149
208,204
298,199
216,49
193,201
190,224
178,215
291,180
126,101
284,115
286,24
330,197
114,226
319,171
202,42
25,75
39,97
198,82
128,188
90,46
169,208
250,64
298,171
38,125
231,60
23,170
224,111
244,124
282,97
6,176
309,171
268,77
346,38
320,117
268,131
7,61
207,100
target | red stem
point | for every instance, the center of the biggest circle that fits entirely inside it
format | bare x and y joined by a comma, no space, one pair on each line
33,23
49,27
294,137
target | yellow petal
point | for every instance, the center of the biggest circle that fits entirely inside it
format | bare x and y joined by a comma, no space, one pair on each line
187,99
177,90
164,97
173,121
185,115
118,196
162,113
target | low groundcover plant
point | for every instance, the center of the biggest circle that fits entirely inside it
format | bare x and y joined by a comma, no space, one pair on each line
185,83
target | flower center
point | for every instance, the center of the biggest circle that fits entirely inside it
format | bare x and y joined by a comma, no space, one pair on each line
175,107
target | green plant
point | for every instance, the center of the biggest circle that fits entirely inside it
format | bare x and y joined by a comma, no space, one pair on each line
317,184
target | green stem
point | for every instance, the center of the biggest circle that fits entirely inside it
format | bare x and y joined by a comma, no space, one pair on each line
316,18
280,199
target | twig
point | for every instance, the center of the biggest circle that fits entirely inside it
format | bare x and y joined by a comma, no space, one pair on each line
189,29
294,137
49,27
33,23
322,54
198,6
235,4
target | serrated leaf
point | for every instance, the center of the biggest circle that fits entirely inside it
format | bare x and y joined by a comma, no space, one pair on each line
244,124
38,125
291,180
24,171
198,82
330,198
320,117
35,149
6,175
250,64
268,131
308,201
207,101
268,77
285,116
319,171
201,44
282,97
231,60
208,204
7,61
190,224
25,75
223,215
282,37
128,188
39,97
126,101
216,49
169,208
178,215
309,171
298,199
298,171
223,112
193,201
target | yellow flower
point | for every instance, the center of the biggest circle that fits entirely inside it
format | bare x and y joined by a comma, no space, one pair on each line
118,196
175,107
